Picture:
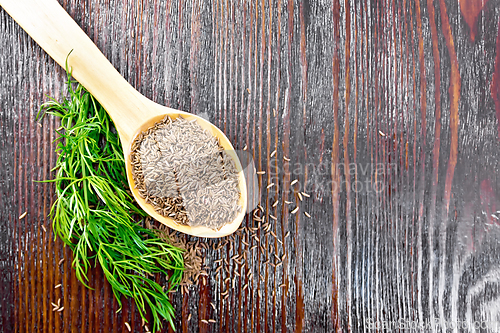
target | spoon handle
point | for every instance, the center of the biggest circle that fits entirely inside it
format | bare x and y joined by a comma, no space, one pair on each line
58,34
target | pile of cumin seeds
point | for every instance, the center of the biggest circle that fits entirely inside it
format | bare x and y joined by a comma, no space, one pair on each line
193,258
185,174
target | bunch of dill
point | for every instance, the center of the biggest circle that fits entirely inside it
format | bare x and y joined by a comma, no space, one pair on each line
96,216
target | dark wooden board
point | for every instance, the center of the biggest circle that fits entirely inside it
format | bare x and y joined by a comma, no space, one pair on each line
388,111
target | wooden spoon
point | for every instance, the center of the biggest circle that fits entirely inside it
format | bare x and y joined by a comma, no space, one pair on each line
56,32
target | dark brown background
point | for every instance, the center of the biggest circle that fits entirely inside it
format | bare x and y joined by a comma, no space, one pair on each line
409,92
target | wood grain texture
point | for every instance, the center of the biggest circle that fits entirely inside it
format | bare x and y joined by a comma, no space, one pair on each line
389,112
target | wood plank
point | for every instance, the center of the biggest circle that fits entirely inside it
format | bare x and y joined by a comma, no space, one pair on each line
388,112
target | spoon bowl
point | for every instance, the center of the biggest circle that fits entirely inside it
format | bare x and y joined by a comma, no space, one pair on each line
59,35
199,231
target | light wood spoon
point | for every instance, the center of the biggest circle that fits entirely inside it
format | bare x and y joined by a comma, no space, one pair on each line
56,32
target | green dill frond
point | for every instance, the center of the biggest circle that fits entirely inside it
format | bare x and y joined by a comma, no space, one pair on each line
97,217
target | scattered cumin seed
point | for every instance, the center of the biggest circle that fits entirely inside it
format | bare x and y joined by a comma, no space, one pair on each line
189,317
270,185
213,305
381,133
204,321
43,227
59,285
275,203
286,158
274,112
273,217
23,215
307,214
60,262
260,172
273,153
245,148
287,234
128,327
305,194
60,309
300,196
282,285
294,182
211,321
295,210
288,202
248,90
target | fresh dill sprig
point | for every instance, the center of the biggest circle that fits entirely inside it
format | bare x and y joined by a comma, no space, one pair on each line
96,217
